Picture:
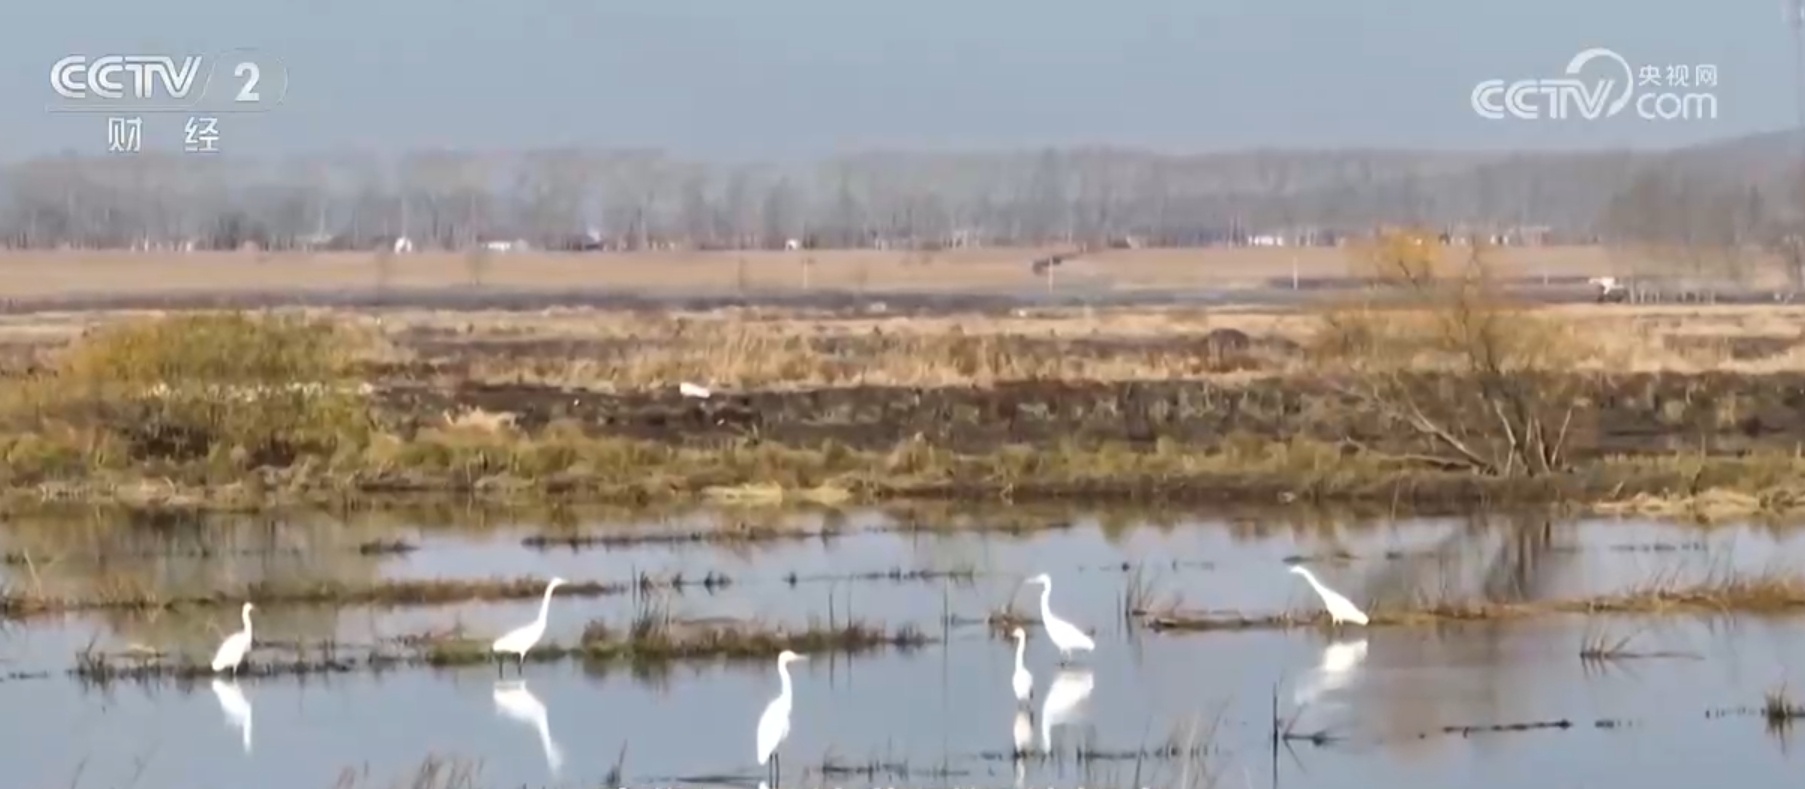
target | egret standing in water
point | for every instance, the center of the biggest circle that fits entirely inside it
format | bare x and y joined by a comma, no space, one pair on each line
1022,681
522,638
1065,635
774,724
1340,608
231,653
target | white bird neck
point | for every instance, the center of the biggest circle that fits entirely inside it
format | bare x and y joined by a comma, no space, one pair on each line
1021,643
1311,577
1046,596
245,615
545,605
783,676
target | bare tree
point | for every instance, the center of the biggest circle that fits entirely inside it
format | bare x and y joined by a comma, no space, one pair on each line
1484,385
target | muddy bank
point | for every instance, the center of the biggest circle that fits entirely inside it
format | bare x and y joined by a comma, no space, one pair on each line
1641,414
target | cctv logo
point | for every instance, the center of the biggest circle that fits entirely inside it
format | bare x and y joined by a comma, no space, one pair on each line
153,79
1562,96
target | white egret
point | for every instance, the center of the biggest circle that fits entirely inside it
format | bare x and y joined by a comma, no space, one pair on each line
774,724
1340,608
1064,635
1065,702
514,700
1022,681
232,651
696,391
522,638
236,708
1339,662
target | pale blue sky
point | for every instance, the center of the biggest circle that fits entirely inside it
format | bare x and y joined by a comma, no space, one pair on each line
787,79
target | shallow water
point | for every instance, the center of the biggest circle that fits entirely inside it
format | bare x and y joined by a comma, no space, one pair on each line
943,715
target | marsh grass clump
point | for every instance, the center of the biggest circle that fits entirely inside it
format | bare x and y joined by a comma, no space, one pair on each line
654,636
652,640
434,772
92,668
1766,594
1779,709
236,390
139,596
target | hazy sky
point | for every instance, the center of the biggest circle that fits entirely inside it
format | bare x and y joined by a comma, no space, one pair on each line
787,79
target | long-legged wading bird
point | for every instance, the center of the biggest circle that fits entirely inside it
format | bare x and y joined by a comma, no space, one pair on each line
1065,635
231,652
1340,608
1022,681
774,724
522,638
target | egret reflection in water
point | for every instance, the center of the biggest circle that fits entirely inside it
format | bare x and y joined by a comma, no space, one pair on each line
513,700
1065,702
236,707
1024,733
1340,662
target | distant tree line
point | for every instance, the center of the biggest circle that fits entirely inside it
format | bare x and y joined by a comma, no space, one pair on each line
637,199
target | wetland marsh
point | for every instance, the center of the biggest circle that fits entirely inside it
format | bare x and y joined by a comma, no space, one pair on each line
394,489
1667,694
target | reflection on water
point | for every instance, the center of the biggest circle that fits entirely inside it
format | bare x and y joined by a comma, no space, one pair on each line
930,717
1065,703
1023,732
1021,682
237,709
1339,662
514,700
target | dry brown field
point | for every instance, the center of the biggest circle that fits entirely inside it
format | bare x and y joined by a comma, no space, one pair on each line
83,273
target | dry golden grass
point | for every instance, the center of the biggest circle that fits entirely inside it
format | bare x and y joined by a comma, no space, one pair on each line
764,348
787,348
49,274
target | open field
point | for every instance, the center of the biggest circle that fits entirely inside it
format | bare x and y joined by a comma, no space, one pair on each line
1665,406
74,274
794,348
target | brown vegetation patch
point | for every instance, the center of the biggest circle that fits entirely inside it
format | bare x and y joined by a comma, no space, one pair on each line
16,603
1770,595
650,639
1434,389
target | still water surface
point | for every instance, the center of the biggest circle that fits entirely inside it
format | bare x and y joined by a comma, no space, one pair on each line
944,715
